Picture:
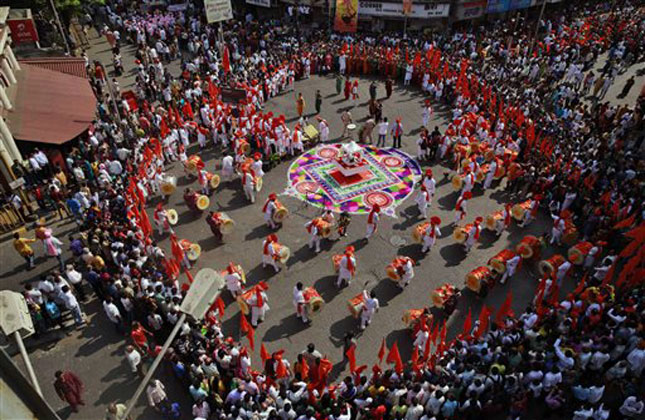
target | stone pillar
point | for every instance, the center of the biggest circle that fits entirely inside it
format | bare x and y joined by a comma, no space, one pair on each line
12,58
7,70
6,103
9,141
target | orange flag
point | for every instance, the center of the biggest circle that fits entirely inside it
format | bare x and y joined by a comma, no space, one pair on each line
351,356
505,309
264,354
468,323
304,370
381,351
484,316
394,357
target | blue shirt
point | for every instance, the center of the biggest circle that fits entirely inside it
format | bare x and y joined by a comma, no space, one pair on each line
74,205
448,408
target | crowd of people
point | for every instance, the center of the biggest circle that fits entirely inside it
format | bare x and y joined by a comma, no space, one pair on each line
536,104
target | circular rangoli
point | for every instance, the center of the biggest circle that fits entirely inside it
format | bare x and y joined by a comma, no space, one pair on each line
323,178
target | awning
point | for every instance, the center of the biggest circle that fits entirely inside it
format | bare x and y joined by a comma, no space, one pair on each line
50,107
69,65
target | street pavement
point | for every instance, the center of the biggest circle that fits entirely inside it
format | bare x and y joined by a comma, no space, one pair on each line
96,352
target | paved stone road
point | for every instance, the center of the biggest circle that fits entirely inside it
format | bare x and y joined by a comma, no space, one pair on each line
96,352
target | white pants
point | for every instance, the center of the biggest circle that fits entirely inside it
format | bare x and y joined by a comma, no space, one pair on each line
268,259
428,243
371,228
257,314
499,228
269,221
489,180
301,311
556,235
343,275
315,240
470,241
235,290
249,192
510,271
423,209
366,318
459,215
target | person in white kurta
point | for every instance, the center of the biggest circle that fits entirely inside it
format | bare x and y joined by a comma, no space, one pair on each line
161,220
429,183
323,129
258,312
314,232
420,340
269,252
427,113
228,170
256,166
469,181
372,221
461,207
269,208
473,234
490,175
558,229
423,201
248,184
407,269
511,267
347,267
233,281
370,306
299,303
506,220
431,234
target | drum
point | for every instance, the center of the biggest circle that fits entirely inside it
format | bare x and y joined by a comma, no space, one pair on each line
355,305
258,183
441,295
510,154
411,317
499,172
335,260
570,235
168,185
239,270
480,174
498,262
578,252
324,227
193,164
213,180
550,265
518,210
392,272
227,225
529,247
494,220
245,300
462,150
313,300
489,155
461,233
203,202
418,231
193,251
475,278
172,216
244,146
283,253
351,127
457,181
280,213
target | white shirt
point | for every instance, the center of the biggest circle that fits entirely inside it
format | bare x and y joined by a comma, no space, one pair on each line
134,359
112,312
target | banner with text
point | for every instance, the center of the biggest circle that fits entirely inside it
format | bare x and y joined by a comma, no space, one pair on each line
417,10
218,10
23,30
261,3
346,19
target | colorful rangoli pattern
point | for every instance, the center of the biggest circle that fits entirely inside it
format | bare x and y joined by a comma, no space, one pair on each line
388,179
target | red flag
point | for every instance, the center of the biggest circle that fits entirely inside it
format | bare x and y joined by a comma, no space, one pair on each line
484,316
629,268
581,285
226,61
442,341
394,357
176,249
244,324
625,222
219,303
468,323
381,351
304,369
163,128
351,356
609,275
415,358
188,275
505,309
187,110
264,354
435,332
281,370
146,228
